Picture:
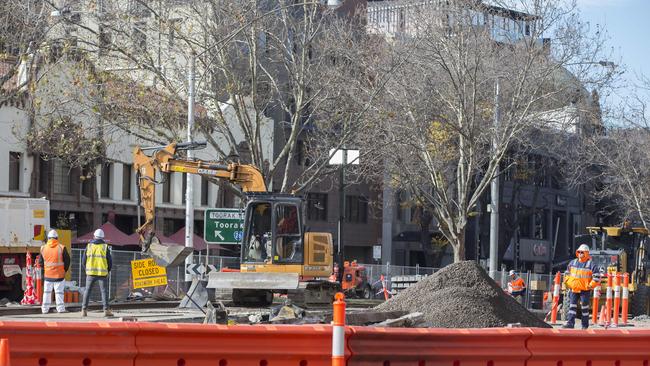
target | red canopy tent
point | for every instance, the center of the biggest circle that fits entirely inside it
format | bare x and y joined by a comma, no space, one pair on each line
112,235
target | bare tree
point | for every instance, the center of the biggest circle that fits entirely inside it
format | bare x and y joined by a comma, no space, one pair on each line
23,30
443,141
273,77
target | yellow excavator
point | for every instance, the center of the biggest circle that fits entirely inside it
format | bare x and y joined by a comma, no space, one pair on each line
277,254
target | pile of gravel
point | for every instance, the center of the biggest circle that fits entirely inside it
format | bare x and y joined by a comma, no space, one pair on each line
462,295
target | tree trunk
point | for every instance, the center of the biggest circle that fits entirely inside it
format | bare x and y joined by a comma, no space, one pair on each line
459,247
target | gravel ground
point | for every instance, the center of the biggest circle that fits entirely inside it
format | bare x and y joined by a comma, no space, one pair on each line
462,295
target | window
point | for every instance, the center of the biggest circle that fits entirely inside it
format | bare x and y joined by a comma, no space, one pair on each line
43,175
139,38
127,170
167,187
174,24
87,187
205,190
288,239
14,171
539,224
356,209
106,181
61,178
105,40
317,206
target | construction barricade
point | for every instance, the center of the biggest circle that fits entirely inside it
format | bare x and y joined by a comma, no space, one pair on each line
453,347
240,345
612,347
63,344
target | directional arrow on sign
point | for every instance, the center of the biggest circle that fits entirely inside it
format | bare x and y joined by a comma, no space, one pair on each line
218,234
195,269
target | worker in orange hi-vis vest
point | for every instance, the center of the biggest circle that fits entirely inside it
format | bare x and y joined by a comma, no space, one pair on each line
516,287
55,260
581,276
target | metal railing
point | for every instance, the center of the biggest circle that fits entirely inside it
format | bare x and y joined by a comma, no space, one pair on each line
120,283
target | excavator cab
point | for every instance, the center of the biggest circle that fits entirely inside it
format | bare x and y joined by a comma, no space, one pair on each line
273,230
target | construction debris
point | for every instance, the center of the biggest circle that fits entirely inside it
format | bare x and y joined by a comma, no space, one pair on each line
408,320
462,295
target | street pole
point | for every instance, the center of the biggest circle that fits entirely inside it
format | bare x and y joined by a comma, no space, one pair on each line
494,195
189,209
340,250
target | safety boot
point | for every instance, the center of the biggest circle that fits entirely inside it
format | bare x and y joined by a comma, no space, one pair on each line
108,313
84,313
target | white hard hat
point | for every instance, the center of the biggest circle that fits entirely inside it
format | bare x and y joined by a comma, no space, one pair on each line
512,273
583,248
99,234
52,234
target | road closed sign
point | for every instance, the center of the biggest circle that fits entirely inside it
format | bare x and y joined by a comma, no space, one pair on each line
146,273
223,226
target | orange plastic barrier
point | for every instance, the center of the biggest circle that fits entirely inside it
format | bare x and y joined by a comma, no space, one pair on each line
611,347
240,345
64,344
436,346
5,360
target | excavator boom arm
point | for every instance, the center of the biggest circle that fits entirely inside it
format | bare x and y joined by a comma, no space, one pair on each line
165,160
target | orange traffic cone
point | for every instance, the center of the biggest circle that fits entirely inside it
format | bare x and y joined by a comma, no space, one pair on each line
4,352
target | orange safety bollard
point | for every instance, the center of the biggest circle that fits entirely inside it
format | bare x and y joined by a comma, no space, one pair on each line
608,303
556,298
625,296
617,298
594,307
4,352
384,290
338,331
38,276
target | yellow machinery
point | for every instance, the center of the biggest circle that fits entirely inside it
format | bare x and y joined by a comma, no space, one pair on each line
624,249
277,255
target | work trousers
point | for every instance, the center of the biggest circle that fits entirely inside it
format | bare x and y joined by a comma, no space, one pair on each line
59,290
584,298
103,288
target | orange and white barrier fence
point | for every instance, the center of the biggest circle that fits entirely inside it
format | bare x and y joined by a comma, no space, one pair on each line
625,296
148,344
556,298
338,331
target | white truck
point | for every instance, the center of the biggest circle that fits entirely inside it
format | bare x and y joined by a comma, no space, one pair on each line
23,227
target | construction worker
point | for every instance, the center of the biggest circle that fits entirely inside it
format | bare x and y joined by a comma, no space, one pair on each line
97,262
55,261
516,286
581,276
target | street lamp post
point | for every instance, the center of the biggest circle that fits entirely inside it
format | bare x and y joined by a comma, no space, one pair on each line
342,157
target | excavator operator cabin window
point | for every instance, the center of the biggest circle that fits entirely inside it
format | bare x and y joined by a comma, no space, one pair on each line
258,247
288,240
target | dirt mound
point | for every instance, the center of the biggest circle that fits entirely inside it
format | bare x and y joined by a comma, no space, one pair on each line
462,295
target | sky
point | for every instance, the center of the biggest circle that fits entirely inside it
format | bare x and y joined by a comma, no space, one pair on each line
627,23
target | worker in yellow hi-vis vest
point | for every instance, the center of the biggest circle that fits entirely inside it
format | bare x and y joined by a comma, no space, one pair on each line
97,262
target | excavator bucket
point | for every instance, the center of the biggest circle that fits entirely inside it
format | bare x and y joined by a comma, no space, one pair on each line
167,255
253,280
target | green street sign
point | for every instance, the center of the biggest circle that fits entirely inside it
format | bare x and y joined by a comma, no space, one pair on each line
223,226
